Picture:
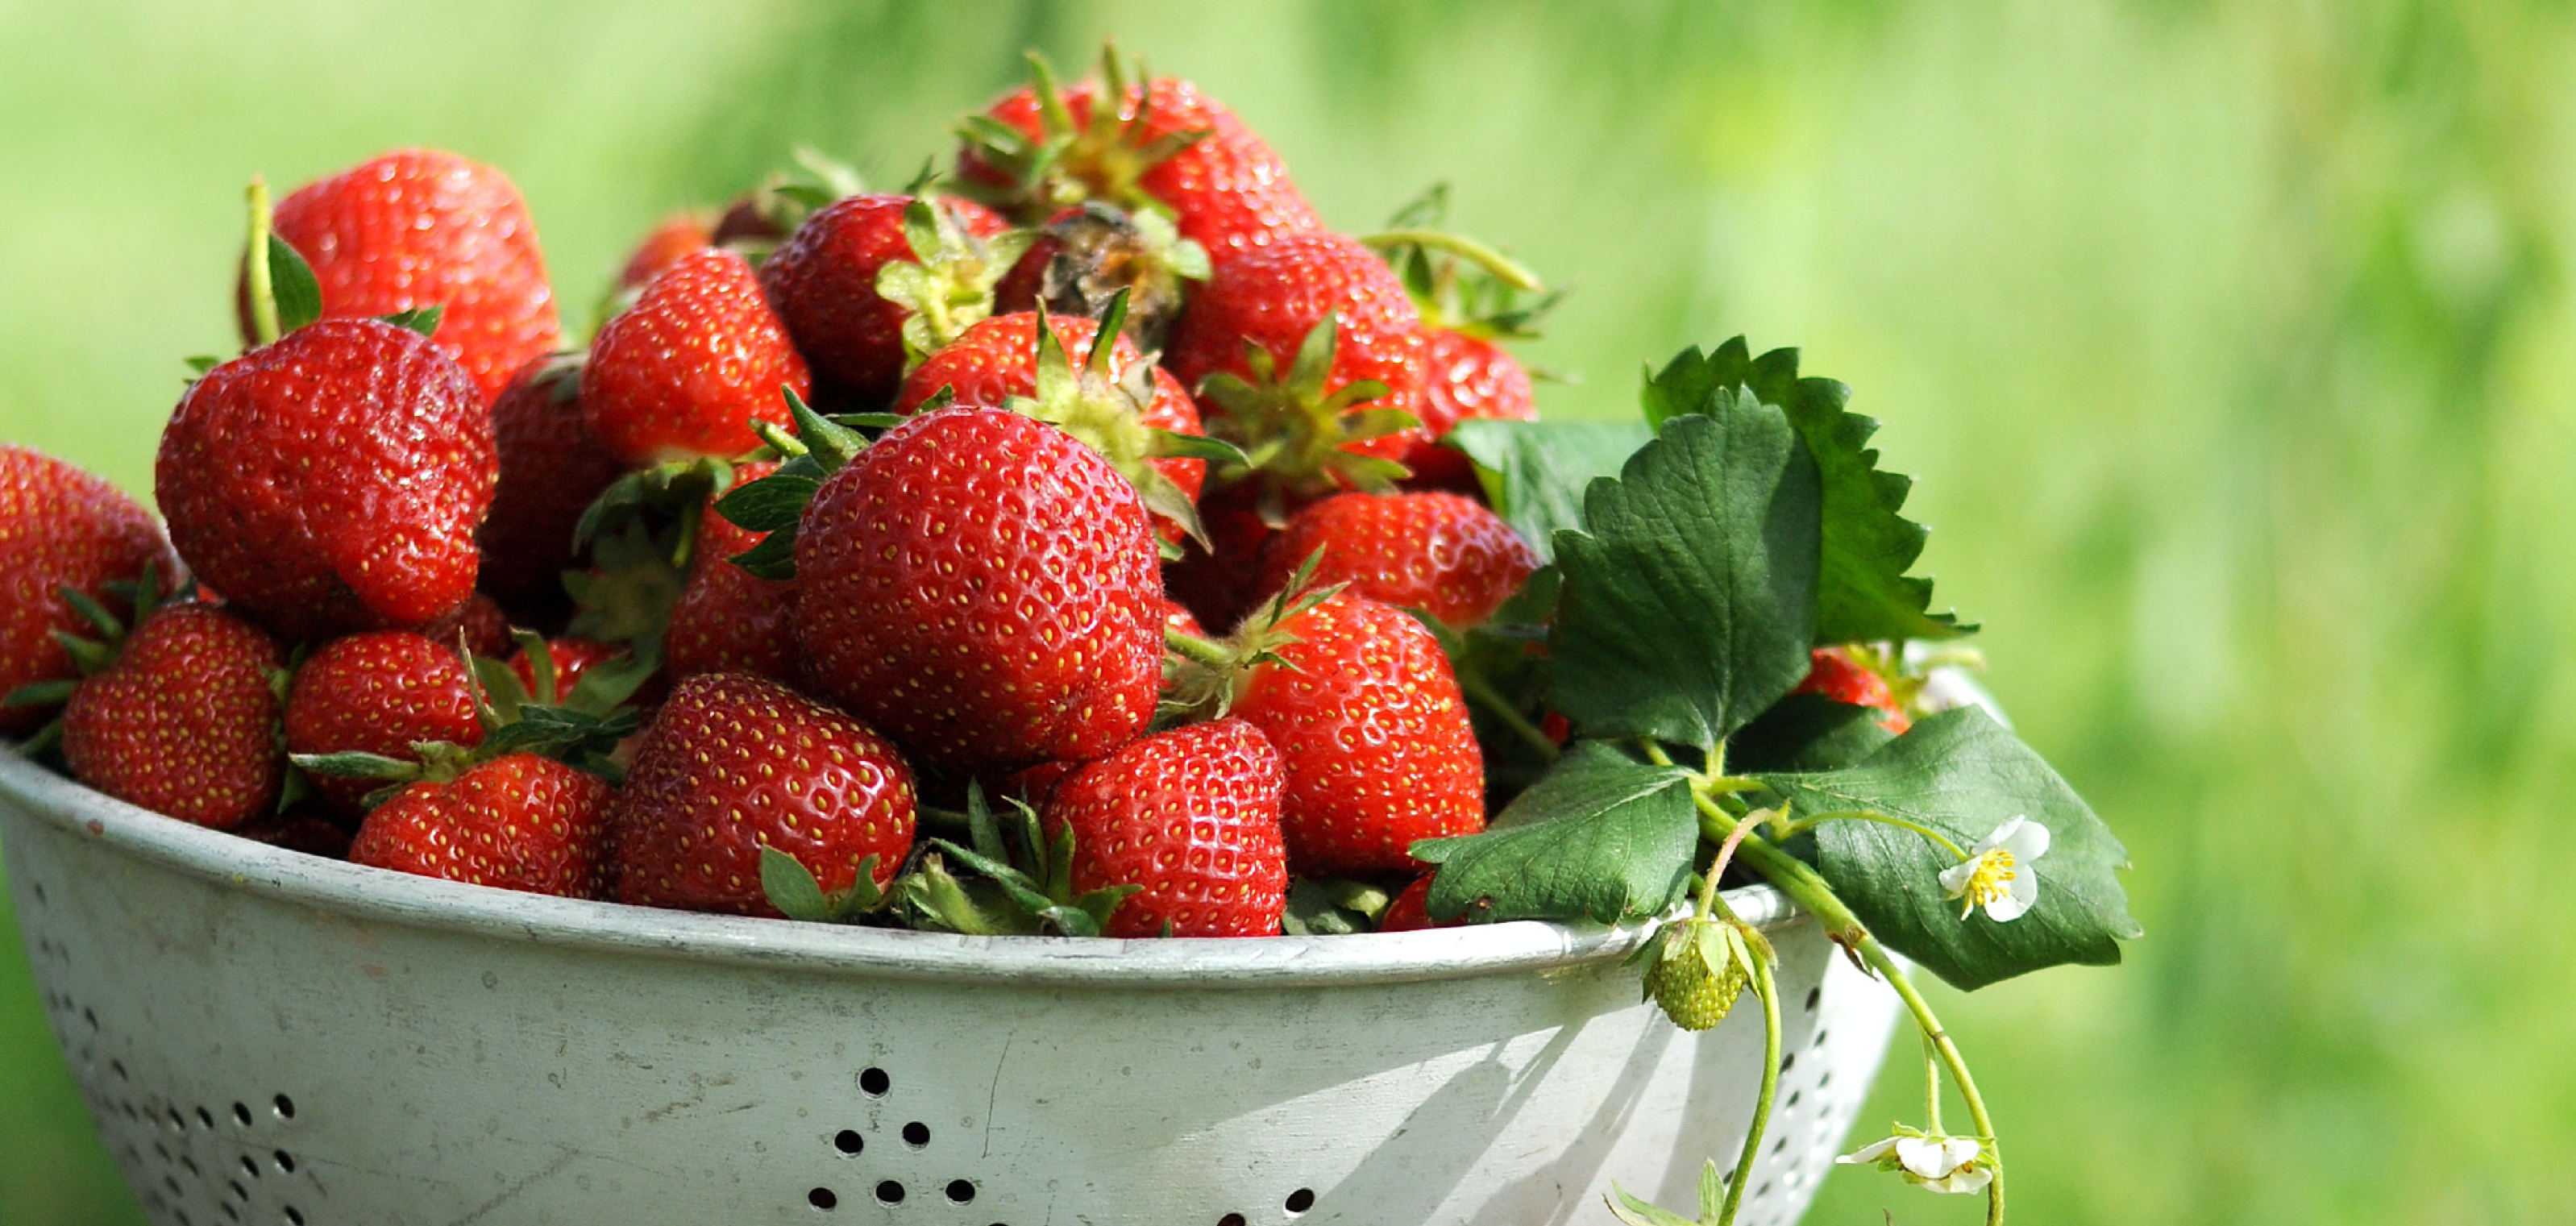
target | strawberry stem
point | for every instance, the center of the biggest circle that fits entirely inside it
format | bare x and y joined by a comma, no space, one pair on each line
1503,267
263,292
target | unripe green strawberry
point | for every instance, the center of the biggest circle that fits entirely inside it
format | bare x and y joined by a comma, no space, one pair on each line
1696,970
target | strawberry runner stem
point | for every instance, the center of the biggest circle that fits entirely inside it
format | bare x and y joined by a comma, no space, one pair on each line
263,292
1768,989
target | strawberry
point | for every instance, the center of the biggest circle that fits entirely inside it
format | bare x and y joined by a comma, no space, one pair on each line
1113,401
729,620
307,828
678,235
551,470
517,822
1441,553
1040,148
1286,341
1089,255
569,658
480,624
331,481
734,764
1470,379
61,528
1833,673
185,721
379,692
419,228
685,370
983,588
1372,732
1470,297
1411,912
1222,583
1192,816
1178,617
869,282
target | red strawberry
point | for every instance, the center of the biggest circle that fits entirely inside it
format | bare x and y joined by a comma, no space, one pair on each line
1177,617
332,481
1112,403
419,228
983,588
1470,379
825,282
1191,815
1226,189
1441,553
685,370
1833,673
305,828
61,527
379,693
678,235
480,624
185,721
516,822
551,470
1251,321
569,658
729,620
1410,912
1221,585
1373,733
736,763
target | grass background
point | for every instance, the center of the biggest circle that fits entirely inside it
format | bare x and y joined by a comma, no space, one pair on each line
2231,344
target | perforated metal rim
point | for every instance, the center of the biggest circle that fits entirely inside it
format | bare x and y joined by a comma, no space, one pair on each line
390,897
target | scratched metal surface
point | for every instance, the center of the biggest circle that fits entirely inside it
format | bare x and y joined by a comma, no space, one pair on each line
265,1037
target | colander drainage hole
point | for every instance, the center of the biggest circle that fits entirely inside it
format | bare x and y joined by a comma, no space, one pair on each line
823,1199
205,1117
250,1166
1301,1200
294,1216
191,1164
1814,994
285,1162
118,1067
890,1193
916,1134
239,1192
875,1082
849,1141
1231,1219
241,1113
230,1213
284,1106
961,1191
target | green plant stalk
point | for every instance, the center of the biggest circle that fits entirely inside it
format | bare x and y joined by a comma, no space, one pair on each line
1483,692
1811,892
263,292
1768,989
1871,815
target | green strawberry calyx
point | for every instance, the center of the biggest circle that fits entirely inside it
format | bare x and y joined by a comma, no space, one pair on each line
1105,157
1295,436
1203,677
947,287
1019,882
1458,283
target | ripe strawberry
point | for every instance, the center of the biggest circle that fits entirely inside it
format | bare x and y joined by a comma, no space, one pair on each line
380,692
1470,379
830,283
1192,816
61,528
479,623
1441,553
569,658
516,822
185,722
1112,402
736,763
1253,338
1374,736
1410,912
983,588
1221,584
1177,617
331,481
551,470
421,228
678,235
1833,673
729,620
1039,149
685,370
307,828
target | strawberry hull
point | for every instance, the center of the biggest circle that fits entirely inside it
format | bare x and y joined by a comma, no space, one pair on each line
584,1061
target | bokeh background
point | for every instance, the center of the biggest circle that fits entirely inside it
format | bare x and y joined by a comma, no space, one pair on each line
2231,344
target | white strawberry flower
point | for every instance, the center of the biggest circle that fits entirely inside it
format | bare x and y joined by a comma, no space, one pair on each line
1998,874
1929,1160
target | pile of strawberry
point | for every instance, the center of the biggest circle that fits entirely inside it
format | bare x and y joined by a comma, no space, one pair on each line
1066,543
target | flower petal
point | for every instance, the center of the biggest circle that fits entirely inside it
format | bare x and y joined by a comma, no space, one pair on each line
1962,1182
1960,1151
2028,840
2016,899
1954,879
1871,1152
1923,1156
2000,835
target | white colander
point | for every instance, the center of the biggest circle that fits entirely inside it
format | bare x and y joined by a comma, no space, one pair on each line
265,1037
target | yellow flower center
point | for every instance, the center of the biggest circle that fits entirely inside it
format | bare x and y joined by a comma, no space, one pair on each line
1991,880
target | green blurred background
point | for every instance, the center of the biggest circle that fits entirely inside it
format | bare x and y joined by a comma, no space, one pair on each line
2230,343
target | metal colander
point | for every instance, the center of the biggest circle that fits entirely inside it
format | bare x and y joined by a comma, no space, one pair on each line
267,1037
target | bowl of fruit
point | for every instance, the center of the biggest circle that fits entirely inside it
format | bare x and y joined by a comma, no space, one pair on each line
1071,691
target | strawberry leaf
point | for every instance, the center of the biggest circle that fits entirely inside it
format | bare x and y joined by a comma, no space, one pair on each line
1862,591
292,283
769,504
1688,592
1959,772
423,320
1601,836
1535,473
1807,732
791,887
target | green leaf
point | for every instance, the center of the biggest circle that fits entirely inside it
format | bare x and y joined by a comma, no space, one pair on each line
203,362
1863,593
1807,732
769,504
1535,473
291,282
1961,773
791,888
1323,908
41,694
1600,836
1688,594
423,320
773,558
